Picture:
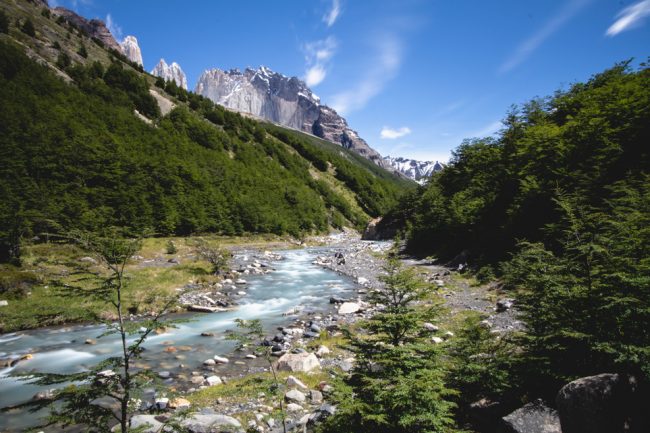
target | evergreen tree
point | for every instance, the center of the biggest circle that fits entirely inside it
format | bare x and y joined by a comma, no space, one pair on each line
398,383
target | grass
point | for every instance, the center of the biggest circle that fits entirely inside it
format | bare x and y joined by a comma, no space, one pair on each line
244,389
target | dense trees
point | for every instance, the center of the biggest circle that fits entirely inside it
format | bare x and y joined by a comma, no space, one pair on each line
496,191
77,155
558,206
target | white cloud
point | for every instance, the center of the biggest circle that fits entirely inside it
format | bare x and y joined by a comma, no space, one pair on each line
113,27
317,56
391,134
333,14
315,75
630,17
377,74
527,47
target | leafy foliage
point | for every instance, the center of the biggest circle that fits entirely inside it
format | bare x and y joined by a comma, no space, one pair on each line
495,192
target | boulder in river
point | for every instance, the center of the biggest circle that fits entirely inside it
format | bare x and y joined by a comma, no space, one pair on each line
298,362
349,308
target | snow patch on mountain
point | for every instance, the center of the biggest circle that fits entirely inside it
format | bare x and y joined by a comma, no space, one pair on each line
419,171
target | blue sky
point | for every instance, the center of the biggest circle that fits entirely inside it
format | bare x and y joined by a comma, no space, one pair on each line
413,77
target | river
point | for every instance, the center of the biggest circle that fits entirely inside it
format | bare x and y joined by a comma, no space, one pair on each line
296,282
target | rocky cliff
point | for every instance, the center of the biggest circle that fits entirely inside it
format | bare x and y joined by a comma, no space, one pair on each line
131,49
94,28
283,100
416,170
171,72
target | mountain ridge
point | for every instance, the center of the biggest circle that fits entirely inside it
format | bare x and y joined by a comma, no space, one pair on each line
284,100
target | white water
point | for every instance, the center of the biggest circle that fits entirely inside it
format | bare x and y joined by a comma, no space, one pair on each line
295,283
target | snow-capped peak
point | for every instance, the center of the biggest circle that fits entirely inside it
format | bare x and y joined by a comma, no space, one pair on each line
419,171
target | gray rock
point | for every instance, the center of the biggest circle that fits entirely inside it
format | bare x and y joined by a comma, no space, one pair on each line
148,423
298,362
603,403
210,423
295,396
534,417
295,382
349,308
316,397
504,305
4,303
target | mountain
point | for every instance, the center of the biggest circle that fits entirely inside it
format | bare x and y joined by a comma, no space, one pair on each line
131,49
283,100
419,171
94,28
84,143
171,72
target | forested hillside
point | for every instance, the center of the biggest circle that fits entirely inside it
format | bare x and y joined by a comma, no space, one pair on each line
558,208
583,145
75,155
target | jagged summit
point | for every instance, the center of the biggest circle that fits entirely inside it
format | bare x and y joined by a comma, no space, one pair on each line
131,49
287,101
94,28
419,171
172,72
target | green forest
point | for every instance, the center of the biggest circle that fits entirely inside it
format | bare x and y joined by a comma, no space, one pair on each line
557,208
75,156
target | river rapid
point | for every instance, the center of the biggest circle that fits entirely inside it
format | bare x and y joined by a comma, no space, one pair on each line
296,283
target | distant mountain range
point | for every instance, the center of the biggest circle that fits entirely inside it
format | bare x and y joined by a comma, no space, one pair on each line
419,171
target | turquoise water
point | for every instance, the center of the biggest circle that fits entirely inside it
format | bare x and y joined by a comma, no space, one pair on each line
295,283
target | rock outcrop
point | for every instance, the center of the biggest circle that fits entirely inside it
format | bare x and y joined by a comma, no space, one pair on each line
605,403
171,72
283,100
533,417
298,362
419,171
94,28
131,49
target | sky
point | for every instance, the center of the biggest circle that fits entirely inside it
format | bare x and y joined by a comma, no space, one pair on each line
413,77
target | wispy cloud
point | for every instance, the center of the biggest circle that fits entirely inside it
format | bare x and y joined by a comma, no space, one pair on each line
317,57
333,14
527,47
391,134
383,67
489,129
113,27
629,18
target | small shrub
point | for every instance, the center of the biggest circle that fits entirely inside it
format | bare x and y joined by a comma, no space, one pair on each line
171,247
28,28
56,45
82,51
63,61
485,275
46,13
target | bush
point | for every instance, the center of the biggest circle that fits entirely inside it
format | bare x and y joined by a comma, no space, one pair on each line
28,28
82,51
171,247
63,61
15,283
4,22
